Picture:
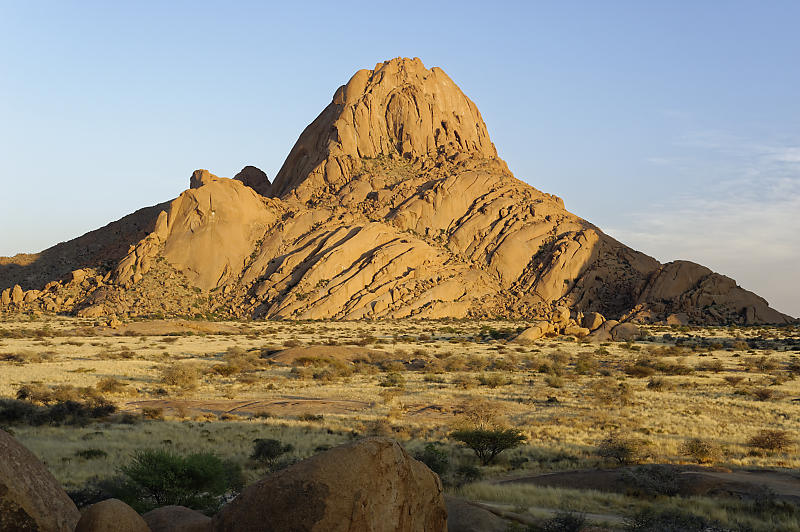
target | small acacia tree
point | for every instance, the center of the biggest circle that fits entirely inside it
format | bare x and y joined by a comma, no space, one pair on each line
487,443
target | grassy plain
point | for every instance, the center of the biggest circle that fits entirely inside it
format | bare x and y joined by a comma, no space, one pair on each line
218,386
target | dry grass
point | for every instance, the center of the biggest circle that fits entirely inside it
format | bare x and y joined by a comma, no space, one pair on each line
719,385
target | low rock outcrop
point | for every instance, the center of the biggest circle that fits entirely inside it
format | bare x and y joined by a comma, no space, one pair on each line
30,497
177,519
111,515
372,485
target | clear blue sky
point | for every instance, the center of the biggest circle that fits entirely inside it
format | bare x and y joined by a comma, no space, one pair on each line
674,127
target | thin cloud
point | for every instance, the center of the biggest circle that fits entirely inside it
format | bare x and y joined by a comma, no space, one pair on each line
745,224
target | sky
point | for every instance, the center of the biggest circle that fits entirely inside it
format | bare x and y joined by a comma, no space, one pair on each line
673,126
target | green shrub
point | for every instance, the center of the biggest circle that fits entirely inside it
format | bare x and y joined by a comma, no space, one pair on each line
465,474
435,458
269,450
156,478
488,443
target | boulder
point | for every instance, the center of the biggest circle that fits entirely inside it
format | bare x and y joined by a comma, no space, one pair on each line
592,320
561,315
603,333
30,497
464,516
111,515
5,297
678,319
31,296
17,294
177,519
625,332
76,276
94,311
574,330
534,332
370,485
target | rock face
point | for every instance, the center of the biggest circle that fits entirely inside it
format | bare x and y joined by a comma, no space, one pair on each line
399,108
177,519
111,515
393,203
372,485
30,497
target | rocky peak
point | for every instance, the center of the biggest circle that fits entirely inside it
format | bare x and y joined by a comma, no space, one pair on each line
398,109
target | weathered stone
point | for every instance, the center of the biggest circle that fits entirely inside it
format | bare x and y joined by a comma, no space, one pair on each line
111,515
592,320
534,332
603,333
177,519
371,485
255,179
574,330
30,497
625,332
31,296
17,294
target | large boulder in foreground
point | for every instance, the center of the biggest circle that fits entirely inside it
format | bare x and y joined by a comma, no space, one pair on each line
30,497
111,515
371,485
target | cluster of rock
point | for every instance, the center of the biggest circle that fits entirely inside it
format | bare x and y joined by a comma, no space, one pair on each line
591,325
370,485
393,203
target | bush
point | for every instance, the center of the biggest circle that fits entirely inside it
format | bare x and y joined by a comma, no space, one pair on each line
110,385
393,379
269,450
607,391
701,451
564,521
435,458
770,440
623,449
91,454
156,478
762,394
488,443
16,412
493,380
651,520
586,364
465,474
184,376
652,480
